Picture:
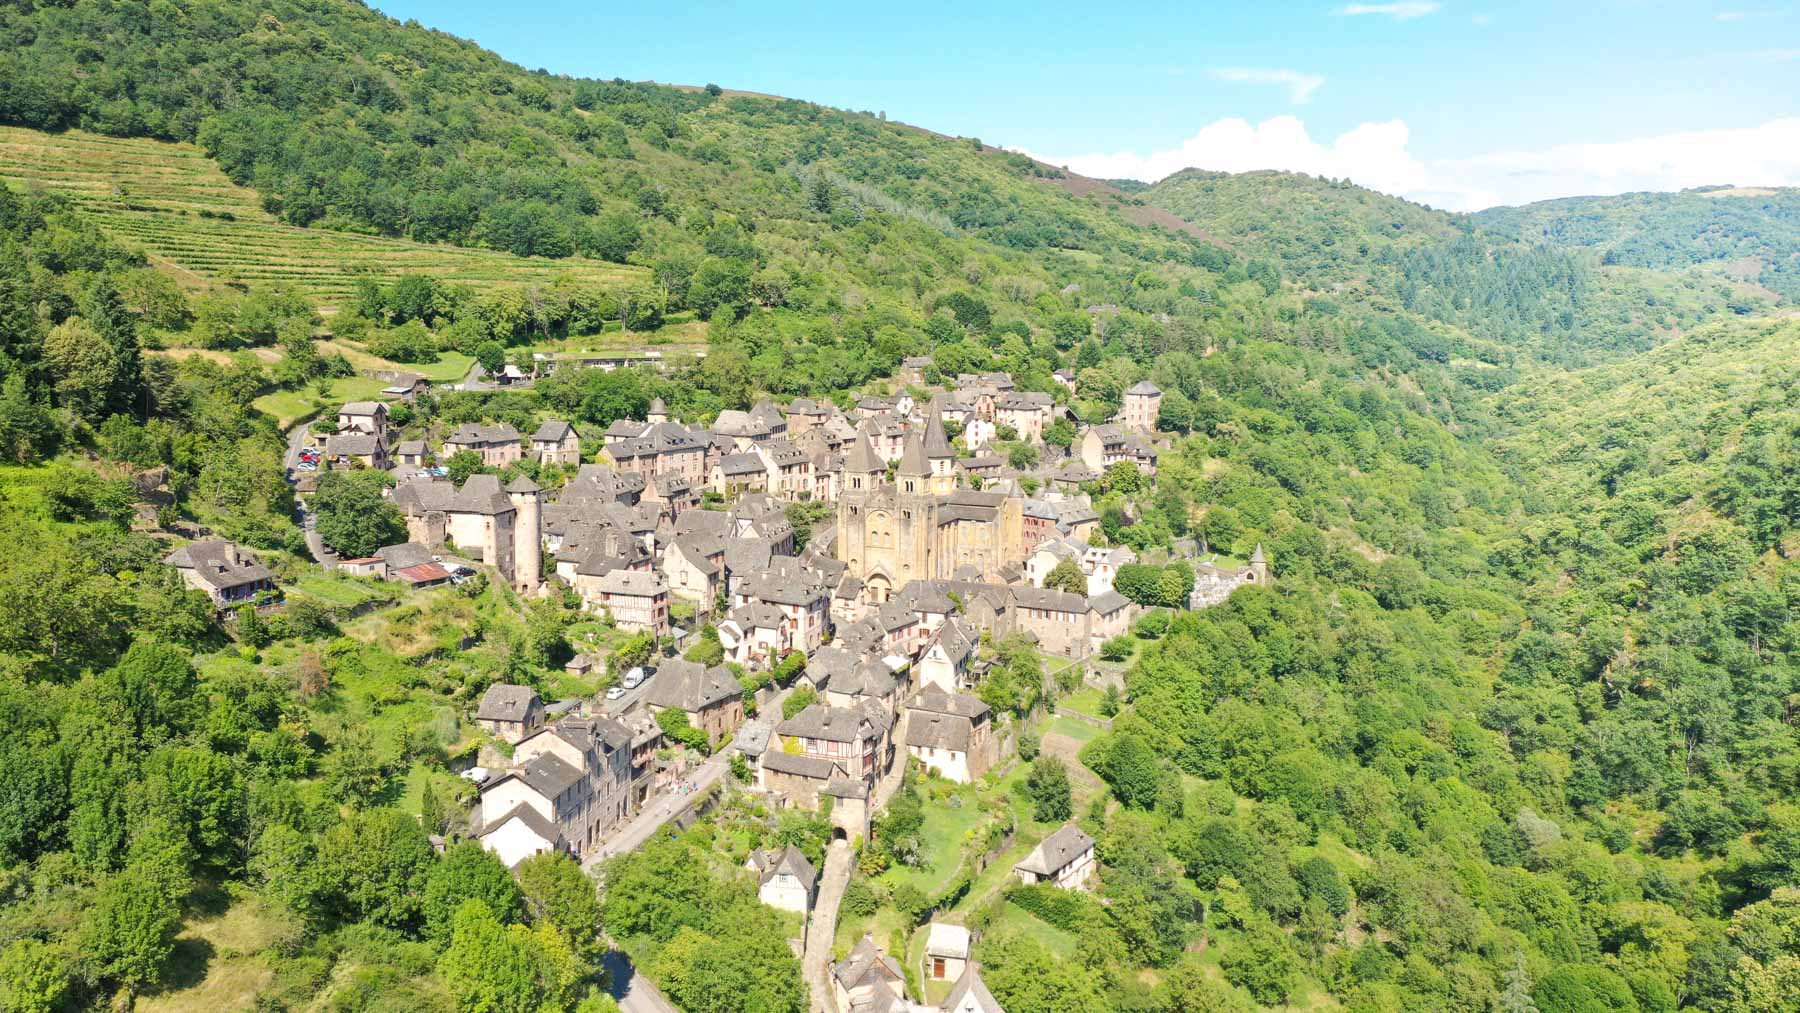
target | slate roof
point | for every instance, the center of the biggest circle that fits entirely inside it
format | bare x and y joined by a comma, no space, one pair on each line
353,444
772,862
1049,601
472,433
1055,852
631,583
865,966
938,731
553,431
524,813
504,701
833,724
947,940
1143,387
219,564
800,765
690,686
970,995
549,775
403,555
962,705
1108,602
741,464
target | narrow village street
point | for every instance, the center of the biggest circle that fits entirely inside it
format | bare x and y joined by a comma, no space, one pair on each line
822,930
633,992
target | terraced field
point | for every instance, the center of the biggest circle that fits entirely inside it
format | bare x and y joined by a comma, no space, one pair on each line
175,204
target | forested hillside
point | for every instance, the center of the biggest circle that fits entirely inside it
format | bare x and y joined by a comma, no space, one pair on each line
1515,723
1496,289
1751,231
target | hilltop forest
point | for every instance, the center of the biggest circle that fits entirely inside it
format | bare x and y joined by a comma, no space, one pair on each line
1514,728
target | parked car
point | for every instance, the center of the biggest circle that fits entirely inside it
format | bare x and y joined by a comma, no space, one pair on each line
615,693
477,775
635,677
463,571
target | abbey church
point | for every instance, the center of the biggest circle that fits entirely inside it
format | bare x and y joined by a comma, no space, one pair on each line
922,526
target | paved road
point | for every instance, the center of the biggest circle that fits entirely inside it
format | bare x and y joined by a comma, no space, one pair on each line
634,992
822,930
660,809
314,544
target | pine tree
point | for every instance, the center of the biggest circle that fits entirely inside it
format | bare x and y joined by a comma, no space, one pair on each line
1517,996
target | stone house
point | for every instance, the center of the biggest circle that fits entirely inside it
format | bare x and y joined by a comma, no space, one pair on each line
694,565
739,473
556,442
855,738
946,951
970,995
1064,859
869,981
512,713
636,600
1058,619
1103,446
1213,584
950,733
947,657
227,574
785,878
497,445
1142,405
711,697
369,417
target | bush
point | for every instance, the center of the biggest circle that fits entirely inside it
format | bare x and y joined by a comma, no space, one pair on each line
1064,909
859,898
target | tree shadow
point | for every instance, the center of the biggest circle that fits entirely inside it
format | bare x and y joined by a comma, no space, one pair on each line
187,964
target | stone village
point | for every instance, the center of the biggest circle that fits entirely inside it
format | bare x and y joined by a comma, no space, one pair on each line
925,555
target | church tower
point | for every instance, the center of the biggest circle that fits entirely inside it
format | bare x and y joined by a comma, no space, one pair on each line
528,535
939,455
917,525
863,474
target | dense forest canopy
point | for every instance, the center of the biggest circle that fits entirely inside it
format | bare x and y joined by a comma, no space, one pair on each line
1515,725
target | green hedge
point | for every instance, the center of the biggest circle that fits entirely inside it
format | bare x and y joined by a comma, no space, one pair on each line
1052,905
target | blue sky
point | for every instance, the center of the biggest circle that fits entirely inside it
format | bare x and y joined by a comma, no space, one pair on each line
1462,104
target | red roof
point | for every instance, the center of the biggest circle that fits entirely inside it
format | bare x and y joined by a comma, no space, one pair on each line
424,573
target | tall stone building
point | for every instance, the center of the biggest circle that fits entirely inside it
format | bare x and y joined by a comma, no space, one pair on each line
921,525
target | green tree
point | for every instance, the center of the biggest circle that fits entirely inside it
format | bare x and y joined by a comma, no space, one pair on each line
467,871
352,516
1047,786
34,976
558,892
129,930
1066,575
85,367
374,866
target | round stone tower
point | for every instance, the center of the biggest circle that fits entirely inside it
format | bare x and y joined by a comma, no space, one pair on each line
528,535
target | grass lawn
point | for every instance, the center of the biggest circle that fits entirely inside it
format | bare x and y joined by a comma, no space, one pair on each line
1015,920
217,963
450,367
1080,731
1085,700
342,592
291,406
946,828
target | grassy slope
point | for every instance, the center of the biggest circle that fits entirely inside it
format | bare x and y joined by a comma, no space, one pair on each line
151,194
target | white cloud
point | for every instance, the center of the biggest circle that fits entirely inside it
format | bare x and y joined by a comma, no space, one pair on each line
1398,11
1779,55
1300,86
1730,16
1375,155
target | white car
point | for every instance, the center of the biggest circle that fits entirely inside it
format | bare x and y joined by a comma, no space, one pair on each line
636,677
478,775
615,693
